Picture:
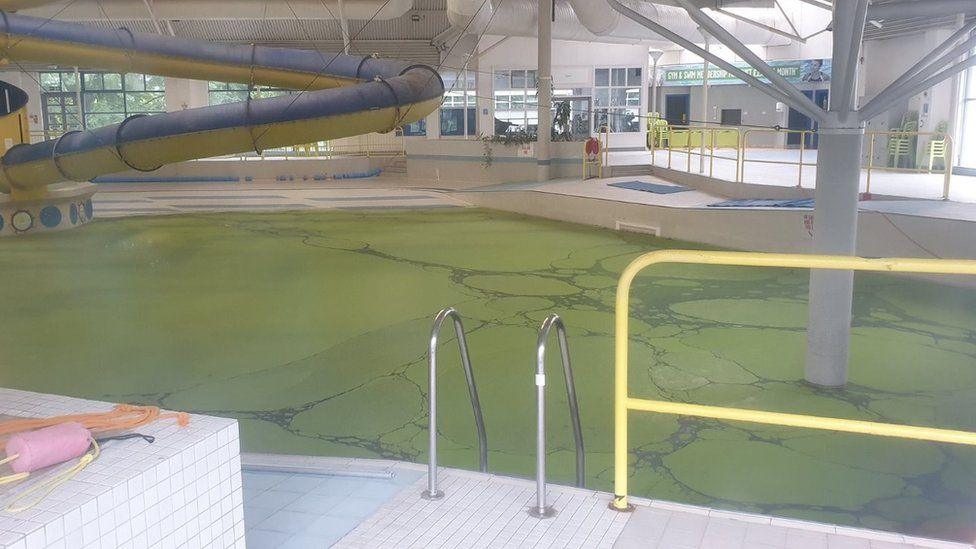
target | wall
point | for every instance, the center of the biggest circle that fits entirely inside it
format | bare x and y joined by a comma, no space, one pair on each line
28,82
573,64
463,162
883,61
184,94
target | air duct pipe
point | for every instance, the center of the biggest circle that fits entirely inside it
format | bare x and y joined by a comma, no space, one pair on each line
928,8
595,21
208,9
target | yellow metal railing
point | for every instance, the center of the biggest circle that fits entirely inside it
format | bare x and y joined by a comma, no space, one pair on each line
872,138
703,141
623,402
799,163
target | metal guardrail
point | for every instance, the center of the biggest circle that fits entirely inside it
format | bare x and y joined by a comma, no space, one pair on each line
432,492
704,141
623,402
541,509
950,150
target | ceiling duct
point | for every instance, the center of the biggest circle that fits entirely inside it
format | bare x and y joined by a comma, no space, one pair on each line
81,10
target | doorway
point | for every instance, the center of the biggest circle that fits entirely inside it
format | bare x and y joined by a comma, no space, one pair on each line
677,108
800,121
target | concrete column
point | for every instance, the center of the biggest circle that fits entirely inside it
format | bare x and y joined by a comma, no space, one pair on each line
841,139
835,233
544,73
656,55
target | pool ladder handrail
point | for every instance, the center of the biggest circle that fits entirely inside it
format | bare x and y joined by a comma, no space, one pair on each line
432,492
541,510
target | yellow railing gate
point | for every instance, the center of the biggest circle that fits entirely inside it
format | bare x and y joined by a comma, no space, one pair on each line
624,403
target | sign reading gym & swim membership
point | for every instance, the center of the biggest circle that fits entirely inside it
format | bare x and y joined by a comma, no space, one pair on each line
808,70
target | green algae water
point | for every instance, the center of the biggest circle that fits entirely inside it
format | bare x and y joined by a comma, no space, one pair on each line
312,328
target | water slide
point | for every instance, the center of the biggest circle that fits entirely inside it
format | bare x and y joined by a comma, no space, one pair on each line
343,95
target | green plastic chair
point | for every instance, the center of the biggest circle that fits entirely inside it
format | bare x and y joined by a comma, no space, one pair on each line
938,147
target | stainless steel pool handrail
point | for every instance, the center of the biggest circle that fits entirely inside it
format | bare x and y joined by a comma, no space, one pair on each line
432,492
541,510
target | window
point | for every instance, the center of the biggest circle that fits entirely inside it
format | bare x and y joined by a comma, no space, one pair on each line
106,98
222,93
516,101
417,129
617,98
459,111
967,134
731,117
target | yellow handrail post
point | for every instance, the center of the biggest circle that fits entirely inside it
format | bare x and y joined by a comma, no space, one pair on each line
620,392
739,154
867,189
711,155
670,144
803,145
688,145
745,143
623,403
950,146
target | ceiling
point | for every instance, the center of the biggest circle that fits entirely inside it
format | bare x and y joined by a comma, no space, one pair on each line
409,36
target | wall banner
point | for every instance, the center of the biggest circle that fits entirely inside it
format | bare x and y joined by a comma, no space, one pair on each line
808,70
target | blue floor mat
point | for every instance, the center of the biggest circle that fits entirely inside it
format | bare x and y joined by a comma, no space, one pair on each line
650,187
805,203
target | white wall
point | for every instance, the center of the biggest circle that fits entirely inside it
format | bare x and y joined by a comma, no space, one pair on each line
885,60
573,65
182,94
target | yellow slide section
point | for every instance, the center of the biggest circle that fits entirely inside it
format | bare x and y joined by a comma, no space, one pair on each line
341,96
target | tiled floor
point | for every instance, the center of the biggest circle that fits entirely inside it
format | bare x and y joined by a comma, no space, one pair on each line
481,510
759,170
382,508
662,525
111,201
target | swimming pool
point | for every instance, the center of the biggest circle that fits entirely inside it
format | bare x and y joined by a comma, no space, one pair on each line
311,328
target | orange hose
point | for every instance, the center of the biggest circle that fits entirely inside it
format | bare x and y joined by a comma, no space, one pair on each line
123,416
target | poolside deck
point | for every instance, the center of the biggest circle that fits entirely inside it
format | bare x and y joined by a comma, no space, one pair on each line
780,168
484,510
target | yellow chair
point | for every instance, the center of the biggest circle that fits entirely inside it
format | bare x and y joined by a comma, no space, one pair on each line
899,146
938,148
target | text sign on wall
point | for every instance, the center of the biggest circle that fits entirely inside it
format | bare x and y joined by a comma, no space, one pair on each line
810,70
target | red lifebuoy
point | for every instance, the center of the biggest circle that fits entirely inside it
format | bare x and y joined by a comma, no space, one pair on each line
592,146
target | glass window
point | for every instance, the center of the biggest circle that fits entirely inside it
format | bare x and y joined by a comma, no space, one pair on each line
51,81
617,99
618,77
112,81
222,93
106,98
634,77
518,79
502,80
460,102
418,128
967,133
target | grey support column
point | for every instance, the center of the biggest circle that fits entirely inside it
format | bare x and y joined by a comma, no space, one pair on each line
835,233
841,138
704,105
542,149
